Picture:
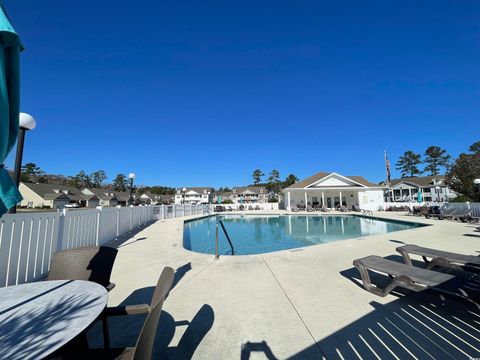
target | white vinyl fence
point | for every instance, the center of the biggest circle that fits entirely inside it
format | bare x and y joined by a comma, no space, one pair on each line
28,240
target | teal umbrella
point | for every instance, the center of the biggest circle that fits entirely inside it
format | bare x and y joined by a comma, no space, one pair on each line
10,48
419,196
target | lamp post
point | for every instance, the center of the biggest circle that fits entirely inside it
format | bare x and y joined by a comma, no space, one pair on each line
437,190
477,182
184,191
26,122
131,176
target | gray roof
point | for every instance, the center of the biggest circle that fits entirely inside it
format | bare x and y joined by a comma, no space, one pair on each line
318,176
103,194
53,191
420,181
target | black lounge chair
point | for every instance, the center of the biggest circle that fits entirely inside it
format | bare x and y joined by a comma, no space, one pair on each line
439,258
412,278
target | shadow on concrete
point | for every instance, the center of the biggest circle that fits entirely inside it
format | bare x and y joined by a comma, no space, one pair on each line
256,347
422,325
124,330
120,242
180,273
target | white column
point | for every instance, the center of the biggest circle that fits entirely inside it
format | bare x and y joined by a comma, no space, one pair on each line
289,208
306,199
323,199
409,194
340,199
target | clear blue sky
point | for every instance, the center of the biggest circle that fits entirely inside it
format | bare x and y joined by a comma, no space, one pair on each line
193,93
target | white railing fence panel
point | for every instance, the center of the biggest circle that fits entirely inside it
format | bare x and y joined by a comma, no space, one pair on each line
27,242
80,229
108,230
473,207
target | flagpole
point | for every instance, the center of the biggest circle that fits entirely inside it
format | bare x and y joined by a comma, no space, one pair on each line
387,168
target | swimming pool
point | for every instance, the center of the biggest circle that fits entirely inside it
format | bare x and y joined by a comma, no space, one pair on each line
258,234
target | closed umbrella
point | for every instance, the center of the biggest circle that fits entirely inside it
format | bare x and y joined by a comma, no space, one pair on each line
10,48
419,196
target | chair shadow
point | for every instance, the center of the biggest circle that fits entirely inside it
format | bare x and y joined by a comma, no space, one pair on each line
124,330
418,325
256,347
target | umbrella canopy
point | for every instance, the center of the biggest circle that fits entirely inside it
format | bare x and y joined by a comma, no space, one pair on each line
419,196
10,48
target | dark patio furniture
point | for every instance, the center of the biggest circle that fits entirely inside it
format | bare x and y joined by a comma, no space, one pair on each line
92,263
160,293
439,258
412,278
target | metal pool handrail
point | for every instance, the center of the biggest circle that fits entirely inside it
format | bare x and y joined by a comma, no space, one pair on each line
216,239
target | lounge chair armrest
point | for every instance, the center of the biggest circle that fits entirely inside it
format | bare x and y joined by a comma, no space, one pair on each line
126,310
110,286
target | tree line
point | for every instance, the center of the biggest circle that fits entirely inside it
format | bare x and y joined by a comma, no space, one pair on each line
273,182
32,173
435,158
460,173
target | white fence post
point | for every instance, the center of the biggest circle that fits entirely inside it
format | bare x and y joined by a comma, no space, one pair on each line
131,216
97,235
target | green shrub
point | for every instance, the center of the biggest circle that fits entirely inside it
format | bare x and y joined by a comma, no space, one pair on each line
273,200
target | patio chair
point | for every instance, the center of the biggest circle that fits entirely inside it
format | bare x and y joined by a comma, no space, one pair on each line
250,207
160,293
257,207
439,258
143,348
412,278
356,208
92,263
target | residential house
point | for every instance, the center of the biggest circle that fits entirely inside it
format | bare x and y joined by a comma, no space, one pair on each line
431,188
194,195
55,196
246,194
107,197
330,190
156,199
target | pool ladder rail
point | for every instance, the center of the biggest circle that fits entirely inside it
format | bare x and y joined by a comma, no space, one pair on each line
220,222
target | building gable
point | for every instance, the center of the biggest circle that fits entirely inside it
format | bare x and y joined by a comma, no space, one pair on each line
335,180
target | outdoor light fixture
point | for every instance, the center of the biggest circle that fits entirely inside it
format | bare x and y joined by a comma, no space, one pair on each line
477,182
131,176
26,122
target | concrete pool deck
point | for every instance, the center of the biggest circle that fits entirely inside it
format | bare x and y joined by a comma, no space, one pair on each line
303,303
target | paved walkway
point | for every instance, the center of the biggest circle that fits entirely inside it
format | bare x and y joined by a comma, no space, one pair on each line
302,304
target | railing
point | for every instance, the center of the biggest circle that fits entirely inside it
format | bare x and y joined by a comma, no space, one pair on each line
28,240
473,207
247,206
216,238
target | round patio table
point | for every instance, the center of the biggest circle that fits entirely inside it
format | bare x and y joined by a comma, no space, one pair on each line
38,318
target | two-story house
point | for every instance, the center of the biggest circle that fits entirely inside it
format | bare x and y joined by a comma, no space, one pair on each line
194,195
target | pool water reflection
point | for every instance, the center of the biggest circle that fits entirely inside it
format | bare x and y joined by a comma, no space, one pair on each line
257,234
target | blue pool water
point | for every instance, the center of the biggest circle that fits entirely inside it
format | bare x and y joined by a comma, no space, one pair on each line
257,234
